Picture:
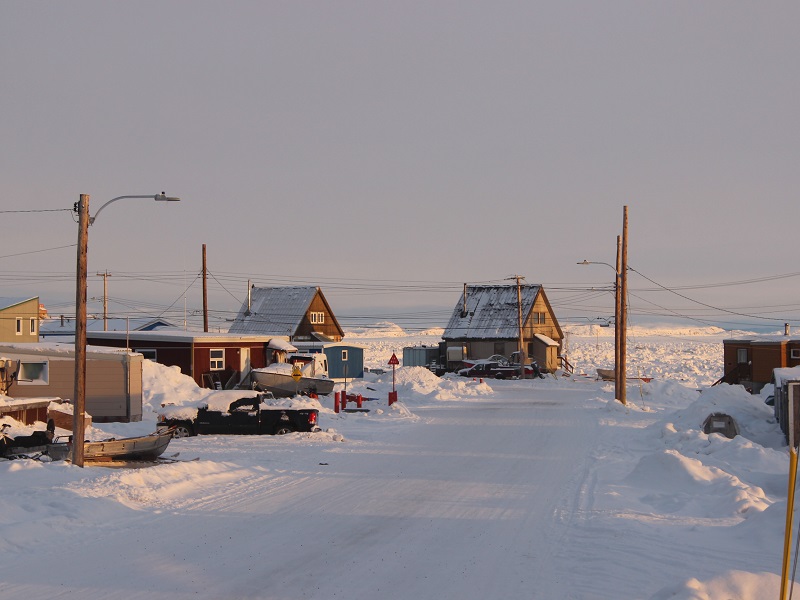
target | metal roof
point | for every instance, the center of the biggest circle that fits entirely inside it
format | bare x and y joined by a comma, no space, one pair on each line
491,312
274,311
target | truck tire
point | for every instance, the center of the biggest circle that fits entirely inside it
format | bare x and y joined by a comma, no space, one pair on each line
182,430
284,430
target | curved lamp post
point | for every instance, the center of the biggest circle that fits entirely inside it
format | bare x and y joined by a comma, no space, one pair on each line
79,398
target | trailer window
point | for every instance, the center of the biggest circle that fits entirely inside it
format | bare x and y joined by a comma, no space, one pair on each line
741,356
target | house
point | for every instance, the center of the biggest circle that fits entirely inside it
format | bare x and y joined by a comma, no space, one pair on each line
486,321
212,359
19,320
113,378
301,313
750,360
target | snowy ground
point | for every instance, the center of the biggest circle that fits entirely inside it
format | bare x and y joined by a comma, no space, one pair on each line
501,489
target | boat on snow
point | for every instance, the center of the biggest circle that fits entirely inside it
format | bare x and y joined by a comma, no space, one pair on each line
302,374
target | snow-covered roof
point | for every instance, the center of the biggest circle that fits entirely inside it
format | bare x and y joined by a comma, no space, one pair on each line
545,339
178,335
66,327
783,374
491,312
274,310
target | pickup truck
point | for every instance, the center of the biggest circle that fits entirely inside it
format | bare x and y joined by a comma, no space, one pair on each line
237,412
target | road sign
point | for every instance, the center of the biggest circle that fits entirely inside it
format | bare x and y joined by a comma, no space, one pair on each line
297,374
393,361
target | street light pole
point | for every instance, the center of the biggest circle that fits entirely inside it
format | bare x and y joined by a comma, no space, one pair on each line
79,396
619,382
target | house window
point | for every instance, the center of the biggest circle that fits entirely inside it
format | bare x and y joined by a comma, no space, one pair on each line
741,356
317,318
148,353
795,353
34,373
344,355
217,360
33,326
19,326
539,318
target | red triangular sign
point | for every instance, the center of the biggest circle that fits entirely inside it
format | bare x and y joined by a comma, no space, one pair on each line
393,361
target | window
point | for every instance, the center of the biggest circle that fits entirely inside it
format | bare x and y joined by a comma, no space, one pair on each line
148,353
33,326
34,373
217,360
741,356
19,326
344,355
539,318
795,353
317,318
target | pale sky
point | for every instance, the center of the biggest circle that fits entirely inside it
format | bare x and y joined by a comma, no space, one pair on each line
390,152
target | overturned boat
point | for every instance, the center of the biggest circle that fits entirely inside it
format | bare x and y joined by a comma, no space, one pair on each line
302,374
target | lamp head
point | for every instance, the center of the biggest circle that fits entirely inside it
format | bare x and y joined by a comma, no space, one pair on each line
163,198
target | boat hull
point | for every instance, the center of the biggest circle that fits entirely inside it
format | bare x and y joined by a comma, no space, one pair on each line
283,386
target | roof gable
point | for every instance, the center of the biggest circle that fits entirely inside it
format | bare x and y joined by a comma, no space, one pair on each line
274,311
491,312
11,302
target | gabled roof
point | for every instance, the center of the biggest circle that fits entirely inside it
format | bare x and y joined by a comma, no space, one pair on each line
491,312
276,310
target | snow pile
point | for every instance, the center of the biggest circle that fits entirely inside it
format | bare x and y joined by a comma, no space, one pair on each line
417,384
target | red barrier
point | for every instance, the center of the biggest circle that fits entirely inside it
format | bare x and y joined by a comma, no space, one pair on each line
359,400
392,398
344,401
336,402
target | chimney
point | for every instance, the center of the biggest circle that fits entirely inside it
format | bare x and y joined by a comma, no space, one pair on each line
464,305
786,330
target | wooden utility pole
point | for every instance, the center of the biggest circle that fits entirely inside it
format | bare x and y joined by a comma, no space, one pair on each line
205,292
105,277
521,332
623,308
618,381
79,396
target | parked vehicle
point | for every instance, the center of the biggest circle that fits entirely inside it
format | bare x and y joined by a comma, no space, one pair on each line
241,412
494,370
279,378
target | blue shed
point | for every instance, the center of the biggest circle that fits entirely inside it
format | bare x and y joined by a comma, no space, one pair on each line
344,360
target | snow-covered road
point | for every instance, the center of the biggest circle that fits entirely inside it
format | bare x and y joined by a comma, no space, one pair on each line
461,501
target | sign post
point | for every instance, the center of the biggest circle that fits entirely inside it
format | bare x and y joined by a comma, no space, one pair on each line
297,375
393,394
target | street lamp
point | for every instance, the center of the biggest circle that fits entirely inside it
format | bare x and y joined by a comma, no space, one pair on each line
79,397
619,326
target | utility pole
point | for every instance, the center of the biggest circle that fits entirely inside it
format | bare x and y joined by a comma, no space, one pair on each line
623,308
79,396
521,341
618,381
205,292
105,277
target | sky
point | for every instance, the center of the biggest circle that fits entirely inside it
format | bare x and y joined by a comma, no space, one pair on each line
390,152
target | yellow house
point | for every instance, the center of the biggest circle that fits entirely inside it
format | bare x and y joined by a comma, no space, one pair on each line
19,320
